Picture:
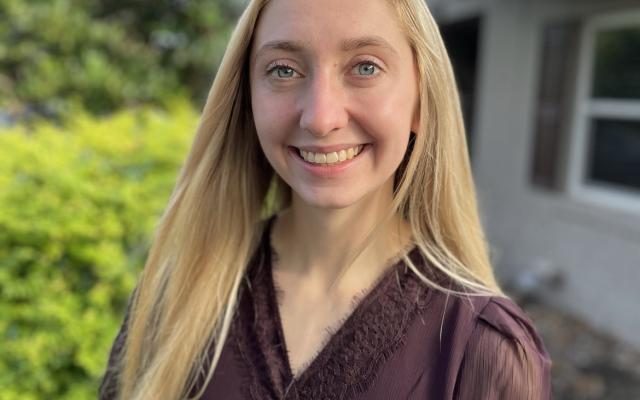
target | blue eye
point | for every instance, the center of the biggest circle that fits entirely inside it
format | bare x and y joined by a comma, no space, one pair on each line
282,71
366,68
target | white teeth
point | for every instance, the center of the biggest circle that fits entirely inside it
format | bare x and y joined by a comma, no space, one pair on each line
350,153
331,158
342,155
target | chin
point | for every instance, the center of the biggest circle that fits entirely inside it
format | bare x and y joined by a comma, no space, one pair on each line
331,202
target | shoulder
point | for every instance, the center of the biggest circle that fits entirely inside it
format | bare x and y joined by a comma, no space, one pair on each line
505,356
504,317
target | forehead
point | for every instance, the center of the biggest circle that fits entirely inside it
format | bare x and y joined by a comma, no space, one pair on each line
328,23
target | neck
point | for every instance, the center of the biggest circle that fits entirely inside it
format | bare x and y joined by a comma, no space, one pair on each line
317,243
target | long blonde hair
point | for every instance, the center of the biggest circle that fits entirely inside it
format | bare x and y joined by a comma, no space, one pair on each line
188,291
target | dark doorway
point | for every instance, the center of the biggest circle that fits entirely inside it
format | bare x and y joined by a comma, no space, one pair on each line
461,39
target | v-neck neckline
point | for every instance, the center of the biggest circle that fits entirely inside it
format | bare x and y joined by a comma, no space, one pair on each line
336,331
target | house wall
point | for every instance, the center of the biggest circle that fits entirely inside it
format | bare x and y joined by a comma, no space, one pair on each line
595,246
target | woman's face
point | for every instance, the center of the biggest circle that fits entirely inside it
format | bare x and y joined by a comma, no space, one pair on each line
326,77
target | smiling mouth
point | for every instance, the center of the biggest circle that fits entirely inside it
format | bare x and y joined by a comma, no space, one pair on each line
330,158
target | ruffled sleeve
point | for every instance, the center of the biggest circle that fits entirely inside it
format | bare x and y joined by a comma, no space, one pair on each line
505,357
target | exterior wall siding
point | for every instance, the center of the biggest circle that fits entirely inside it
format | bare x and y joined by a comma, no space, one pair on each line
595,247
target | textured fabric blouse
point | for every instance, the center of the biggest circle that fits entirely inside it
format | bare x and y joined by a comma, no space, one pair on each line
401,340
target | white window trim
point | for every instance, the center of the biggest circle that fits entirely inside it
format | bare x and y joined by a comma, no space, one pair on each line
586,107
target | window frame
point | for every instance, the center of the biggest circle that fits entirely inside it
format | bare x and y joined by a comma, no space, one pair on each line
588,108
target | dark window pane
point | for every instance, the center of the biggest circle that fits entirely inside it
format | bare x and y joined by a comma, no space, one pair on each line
461,39
615,152
617,63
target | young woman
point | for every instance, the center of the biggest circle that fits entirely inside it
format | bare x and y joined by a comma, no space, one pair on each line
323,239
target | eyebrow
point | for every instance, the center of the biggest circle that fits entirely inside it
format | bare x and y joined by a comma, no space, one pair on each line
346,45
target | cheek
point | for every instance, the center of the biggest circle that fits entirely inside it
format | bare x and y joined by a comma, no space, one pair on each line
271,115
388,114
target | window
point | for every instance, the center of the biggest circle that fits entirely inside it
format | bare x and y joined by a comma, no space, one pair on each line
604,164
461,38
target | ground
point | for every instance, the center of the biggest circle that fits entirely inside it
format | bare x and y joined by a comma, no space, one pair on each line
587,364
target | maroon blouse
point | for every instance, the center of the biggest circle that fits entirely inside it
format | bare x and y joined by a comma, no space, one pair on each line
402,340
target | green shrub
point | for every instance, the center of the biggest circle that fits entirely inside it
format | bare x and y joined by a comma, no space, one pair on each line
107,54
78,205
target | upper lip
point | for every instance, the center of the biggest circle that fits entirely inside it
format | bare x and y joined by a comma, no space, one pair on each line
329,149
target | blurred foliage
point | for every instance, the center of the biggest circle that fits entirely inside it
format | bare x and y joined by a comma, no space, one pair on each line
105,54
79,205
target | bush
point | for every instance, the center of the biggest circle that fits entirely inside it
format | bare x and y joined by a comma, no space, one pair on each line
78,207
107,54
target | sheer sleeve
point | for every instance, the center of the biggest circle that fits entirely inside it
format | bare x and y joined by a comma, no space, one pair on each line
505,358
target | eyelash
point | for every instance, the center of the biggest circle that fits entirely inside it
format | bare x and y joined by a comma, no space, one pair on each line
276,66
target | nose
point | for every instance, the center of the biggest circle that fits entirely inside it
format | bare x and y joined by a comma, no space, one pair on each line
323,106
